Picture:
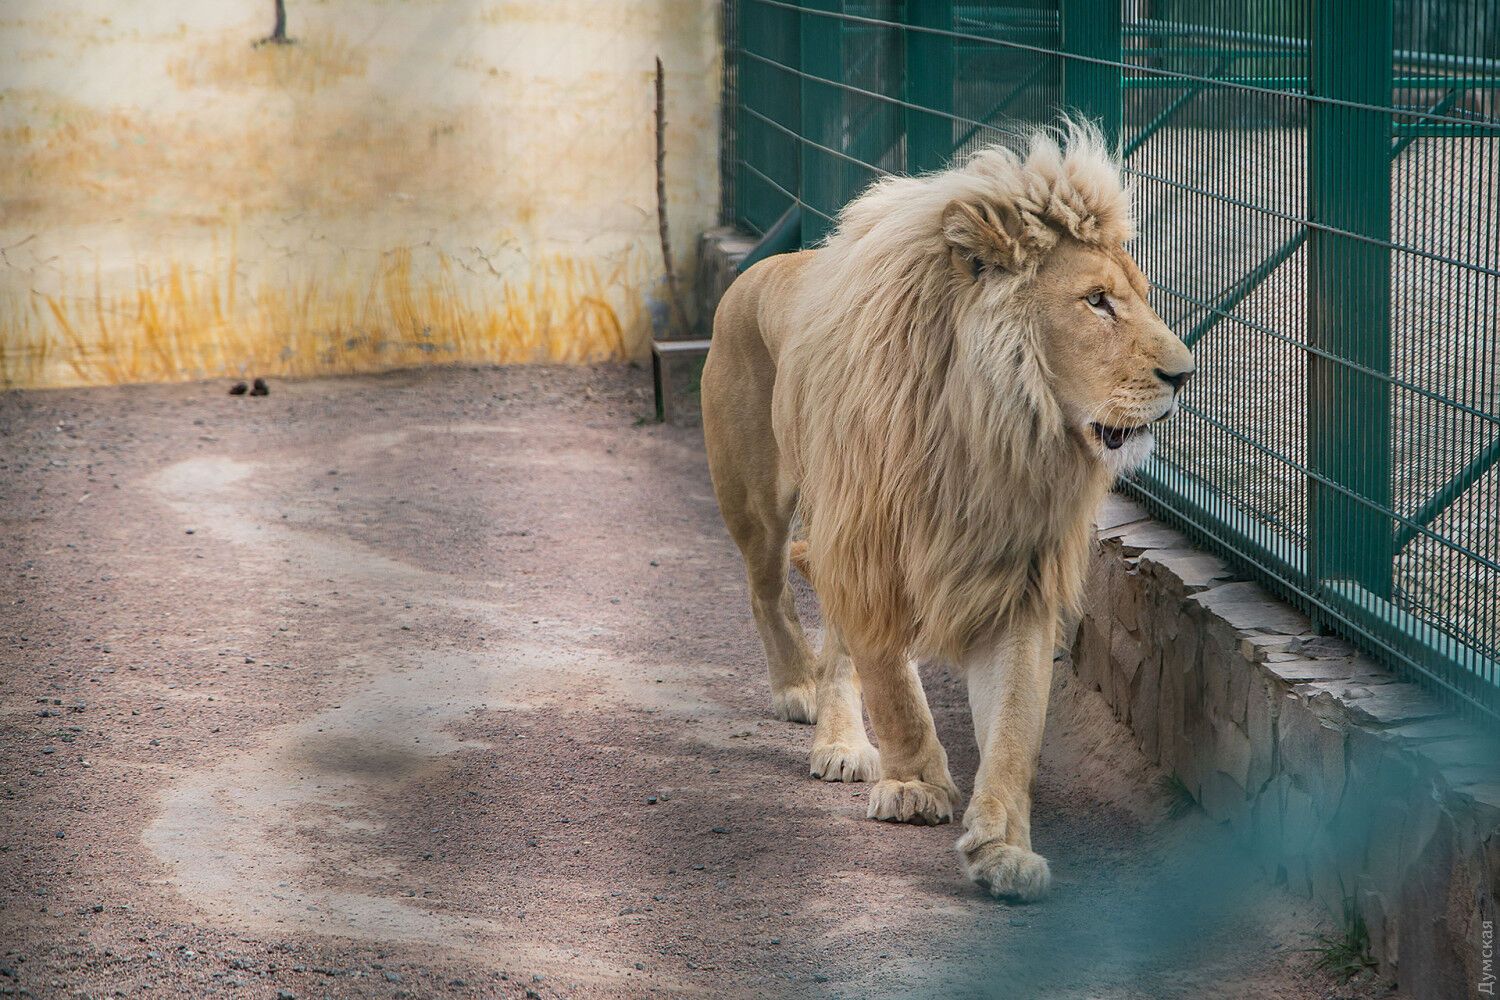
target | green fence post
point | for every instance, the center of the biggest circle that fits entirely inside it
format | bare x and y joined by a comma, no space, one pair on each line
929,84
823,175
1091,28
745,31
1349,294
766,60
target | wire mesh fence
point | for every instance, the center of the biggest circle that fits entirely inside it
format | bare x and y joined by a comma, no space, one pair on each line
1317,184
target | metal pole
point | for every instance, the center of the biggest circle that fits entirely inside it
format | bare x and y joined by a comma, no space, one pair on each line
822,176
766,84
928,83
1349,294
1091,28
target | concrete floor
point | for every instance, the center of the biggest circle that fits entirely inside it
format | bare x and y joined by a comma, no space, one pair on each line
443,683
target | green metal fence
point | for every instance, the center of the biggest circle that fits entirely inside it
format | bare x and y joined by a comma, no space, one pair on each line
1318,183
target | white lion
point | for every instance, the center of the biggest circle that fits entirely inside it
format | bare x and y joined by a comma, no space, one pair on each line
944,391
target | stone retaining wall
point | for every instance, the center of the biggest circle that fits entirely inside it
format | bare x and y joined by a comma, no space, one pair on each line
1351,785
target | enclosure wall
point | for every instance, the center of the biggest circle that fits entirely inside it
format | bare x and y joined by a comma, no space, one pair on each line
183,196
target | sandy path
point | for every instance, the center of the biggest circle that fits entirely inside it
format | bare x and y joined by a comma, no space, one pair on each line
444,684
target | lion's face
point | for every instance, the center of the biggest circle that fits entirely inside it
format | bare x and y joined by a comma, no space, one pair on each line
1116,367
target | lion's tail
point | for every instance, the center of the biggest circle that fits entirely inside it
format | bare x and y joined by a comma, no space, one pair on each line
798,555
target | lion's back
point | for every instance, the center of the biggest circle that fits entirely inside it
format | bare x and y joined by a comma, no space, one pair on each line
759,308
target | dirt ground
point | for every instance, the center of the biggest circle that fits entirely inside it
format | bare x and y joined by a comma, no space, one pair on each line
443,683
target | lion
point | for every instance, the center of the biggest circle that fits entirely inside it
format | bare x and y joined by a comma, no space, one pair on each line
942,393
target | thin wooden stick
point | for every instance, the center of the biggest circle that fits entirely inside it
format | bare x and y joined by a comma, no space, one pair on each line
674,293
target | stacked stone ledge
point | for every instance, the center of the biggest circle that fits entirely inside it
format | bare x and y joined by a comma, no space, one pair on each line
1335,775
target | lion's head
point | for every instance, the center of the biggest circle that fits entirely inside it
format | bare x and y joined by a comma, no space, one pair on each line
1042,239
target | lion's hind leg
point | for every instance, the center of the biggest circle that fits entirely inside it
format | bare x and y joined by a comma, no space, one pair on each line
758,504
761,532
841,750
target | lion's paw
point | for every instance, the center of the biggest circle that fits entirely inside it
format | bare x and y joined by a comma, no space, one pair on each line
1008,871
840,762
910,802
798,703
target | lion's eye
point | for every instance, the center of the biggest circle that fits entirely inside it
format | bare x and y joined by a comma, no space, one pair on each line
1100,301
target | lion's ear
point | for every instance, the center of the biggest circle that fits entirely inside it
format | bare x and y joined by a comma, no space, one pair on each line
984,233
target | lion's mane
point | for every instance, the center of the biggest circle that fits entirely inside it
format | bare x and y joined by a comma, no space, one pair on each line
942,492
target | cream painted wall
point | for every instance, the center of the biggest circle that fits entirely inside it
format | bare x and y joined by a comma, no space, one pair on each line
412,180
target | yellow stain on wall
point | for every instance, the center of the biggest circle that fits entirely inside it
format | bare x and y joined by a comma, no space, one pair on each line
509,144
315,60
183,324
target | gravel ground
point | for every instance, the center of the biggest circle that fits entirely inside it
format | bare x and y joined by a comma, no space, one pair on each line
443,683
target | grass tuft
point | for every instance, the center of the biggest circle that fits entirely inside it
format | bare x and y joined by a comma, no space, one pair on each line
178,324
1347,953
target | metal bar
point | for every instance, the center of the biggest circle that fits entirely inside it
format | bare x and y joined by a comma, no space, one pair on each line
1271,213
1469,128
1157,28
1166,114
873,95
1188,51
1091,85
1149,27
744,202
1073,57
1245,286
837,154
801,205
1421,641
1239,437
1444,498
1349,298
928,83
762,35
660,386
1280,255
872,131
783,237
1005,102
1456,405
1388,438
1407,138
1297,85
1179,496
1294,85
823,114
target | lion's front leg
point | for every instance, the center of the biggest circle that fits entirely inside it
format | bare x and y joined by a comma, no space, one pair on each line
1008,685
914,785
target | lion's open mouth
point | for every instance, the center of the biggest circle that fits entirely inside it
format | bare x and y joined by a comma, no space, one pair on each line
1115,437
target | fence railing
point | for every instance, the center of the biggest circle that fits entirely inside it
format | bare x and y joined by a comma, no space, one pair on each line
1318,184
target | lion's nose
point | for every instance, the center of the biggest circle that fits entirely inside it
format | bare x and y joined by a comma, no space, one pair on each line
1176,381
